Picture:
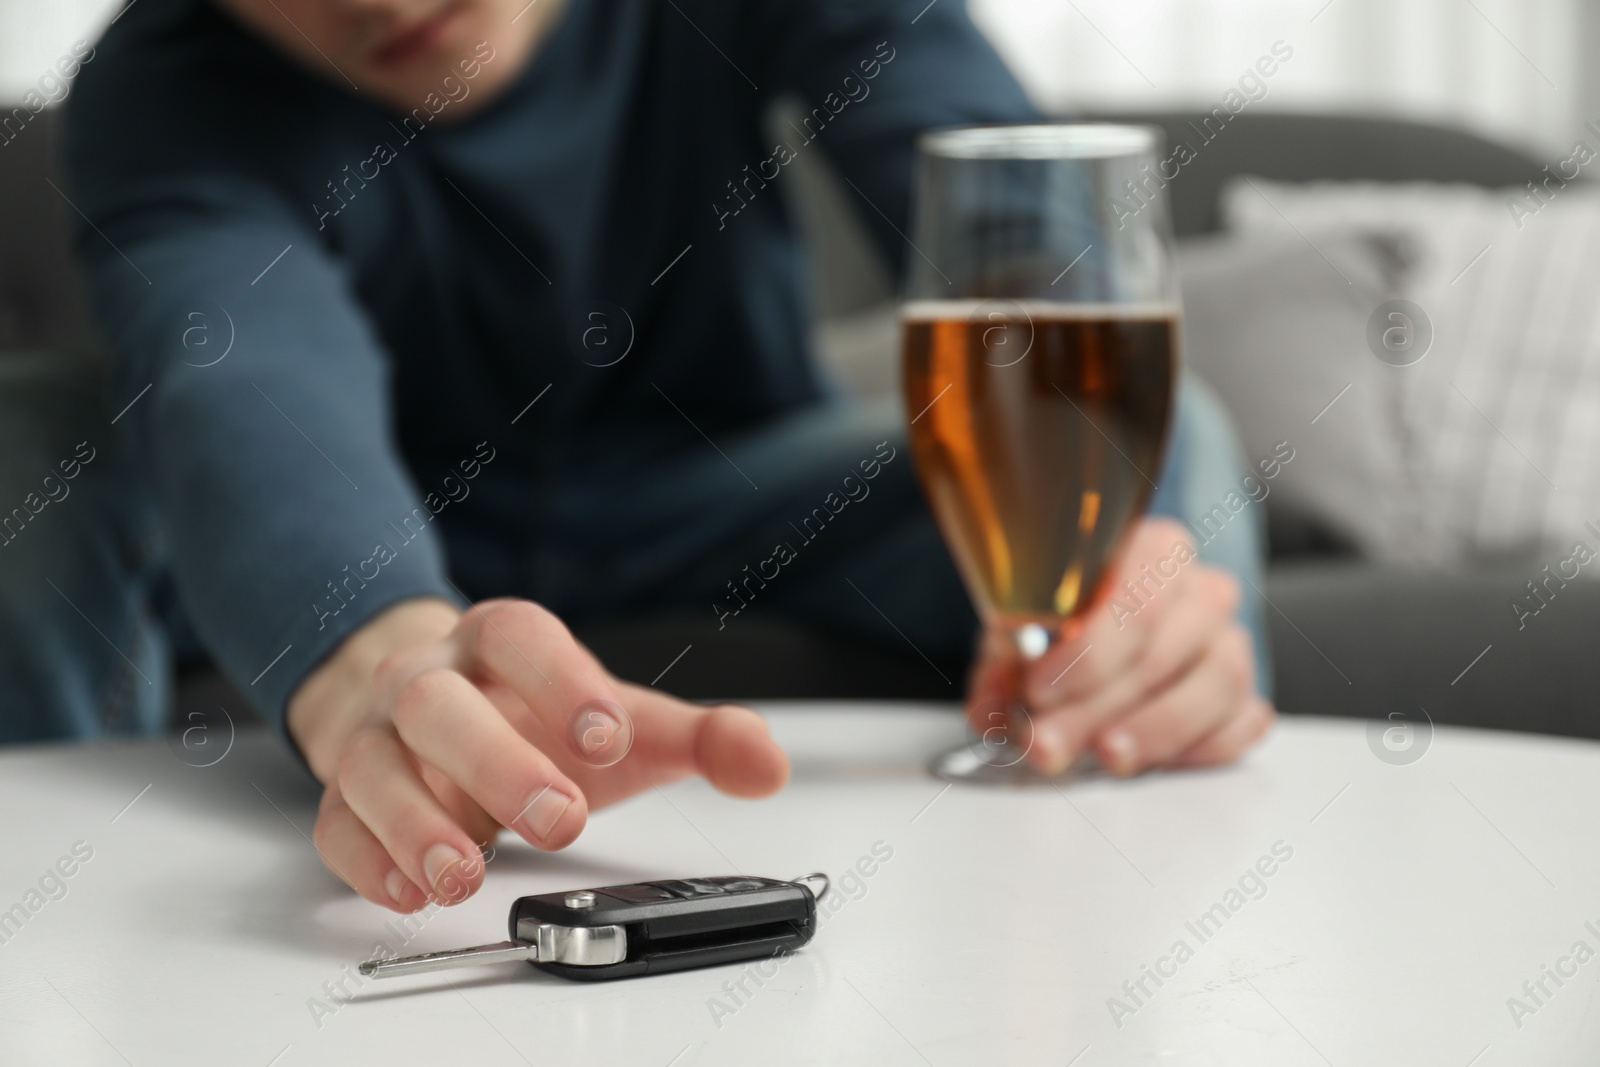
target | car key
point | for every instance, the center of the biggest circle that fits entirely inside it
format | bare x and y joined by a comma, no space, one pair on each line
621,931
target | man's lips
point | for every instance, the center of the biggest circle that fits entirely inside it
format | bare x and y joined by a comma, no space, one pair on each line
407,44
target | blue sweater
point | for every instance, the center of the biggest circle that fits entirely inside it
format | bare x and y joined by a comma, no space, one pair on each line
342,313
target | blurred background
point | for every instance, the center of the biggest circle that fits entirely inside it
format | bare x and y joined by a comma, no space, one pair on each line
1512,69
1351,160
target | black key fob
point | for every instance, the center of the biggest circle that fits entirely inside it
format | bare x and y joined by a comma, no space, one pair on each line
621,931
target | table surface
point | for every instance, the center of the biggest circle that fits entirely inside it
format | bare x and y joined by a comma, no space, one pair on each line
1406,906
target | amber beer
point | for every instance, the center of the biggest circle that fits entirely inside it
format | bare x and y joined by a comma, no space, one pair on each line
1037,431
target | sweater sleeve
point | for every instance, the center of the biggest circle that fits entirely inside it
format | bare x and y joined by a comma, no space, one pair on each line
253,396
881,72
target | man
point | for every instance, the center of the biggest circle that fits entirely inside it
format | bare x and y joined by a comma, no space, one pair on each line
348,254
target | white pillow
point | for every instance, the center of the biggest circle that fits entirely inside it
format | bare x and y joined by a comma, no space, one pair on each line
1273,327
1489,446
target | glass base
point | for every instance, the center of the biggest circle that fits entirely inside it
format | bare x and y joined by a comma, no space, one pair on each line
964,764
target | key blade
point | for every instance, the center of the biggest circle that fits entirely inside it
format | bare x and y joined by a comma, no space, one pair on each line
500,952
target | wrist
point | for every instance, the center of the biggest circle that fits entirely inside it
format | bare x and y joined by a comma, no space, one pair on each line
334,699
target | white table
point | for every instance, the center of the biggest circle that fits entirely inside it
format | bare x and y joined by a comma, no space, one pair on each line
1417,900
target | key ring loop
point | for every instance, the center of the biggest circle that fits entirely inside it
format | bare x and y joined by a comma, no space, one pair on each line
827,883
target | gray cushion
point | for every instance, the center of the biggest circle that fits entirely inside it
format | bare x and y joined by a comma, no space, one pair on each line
1296,148
1362,640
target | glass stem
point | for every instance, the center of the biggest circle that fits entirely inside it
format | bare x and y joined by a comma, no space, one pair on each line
1034,639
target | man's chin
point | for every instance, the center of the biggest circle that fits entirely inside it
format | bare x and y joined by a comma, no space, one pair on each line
440,87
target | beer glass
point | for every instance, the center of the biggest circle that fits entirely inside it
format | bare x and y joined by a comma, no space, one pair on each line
1040,359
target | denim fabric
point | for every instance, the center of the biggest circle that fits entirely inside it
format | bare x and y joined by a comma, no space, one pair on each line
82,653
639,533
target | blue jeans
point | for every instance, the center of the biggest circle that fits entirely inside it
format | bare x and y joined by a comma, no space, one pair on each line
83,650
90,629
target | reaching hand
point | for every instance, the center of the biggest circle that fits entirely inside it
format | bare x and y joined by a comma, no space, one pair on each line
496,717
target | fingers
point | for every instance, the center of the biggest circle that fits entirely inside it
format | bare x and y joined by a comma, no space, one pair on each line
351,852
1148,582
1232,738
1202,611
1063,727
527,649
1075,670
379,781
733,749
467,813
1195,612
730,746
509,721
1206,607
447,721
1194,706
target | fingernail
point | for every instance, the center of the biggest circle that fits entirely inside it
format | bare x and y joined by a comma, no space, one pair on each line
544,811
1051,740
1119,751
438,863
601,732
395,885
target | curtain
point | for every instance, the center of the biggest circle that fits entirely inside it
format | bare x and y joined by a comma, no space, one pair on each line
1508,69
